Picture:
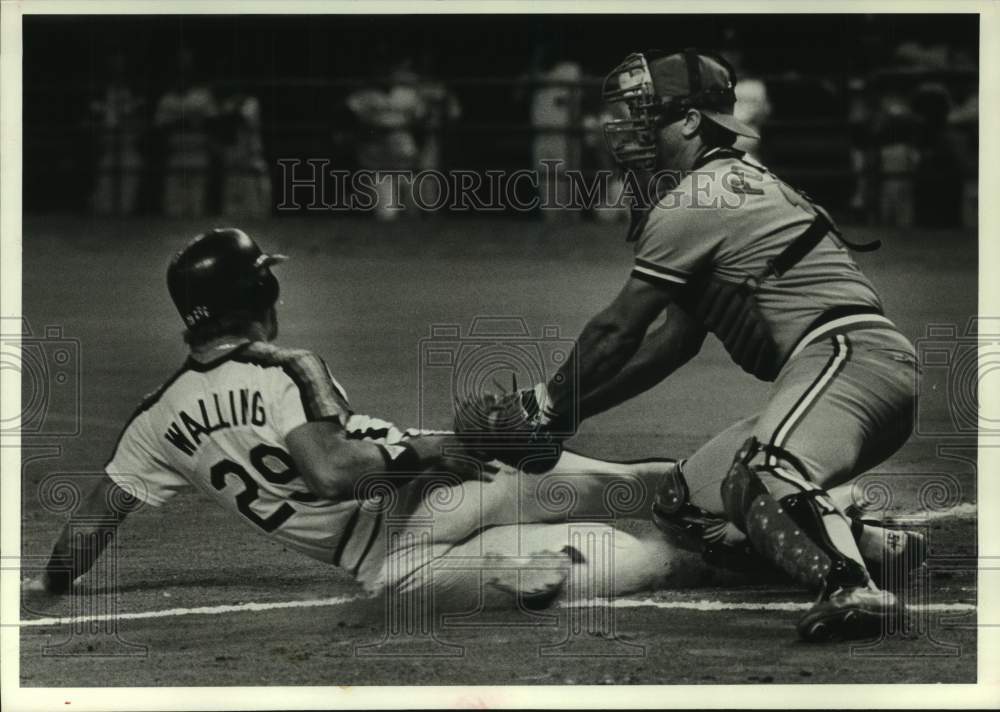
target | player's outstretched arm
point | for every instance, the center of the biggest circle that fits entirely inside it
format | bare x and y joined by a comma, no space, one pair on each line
664,350
332,463
608,342
95,523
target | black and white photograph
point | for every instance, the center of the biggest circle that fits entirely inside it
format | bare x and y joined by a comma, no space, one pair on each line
483,355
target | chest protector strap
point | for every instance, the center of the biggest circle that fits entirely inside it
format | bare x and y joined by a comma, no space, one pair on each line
730,310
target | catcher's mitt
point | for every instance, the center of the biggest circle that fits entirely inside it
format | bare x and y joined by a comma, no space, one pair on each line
507,427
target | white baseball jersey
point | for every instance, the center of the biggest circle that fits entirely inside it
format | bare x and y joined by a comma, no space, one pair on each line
220,426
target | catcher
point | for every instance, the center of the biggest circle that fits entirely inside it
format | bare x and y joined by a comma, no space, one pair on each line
724,246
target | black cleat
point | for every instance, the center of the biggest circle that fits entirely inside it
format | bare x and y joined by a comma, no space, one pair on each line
855,613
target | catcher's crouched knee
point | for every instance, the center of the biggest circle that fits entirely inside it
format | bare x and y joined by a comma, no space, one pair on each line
741,485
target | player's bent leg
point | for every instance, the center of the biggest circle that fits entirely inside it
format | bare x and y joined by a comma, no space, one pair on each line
578,487
427,518
531,566
439,579
498,568
591,488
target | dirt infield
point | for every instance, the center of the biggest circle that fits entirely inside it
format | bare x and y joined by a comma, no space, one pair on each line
366,297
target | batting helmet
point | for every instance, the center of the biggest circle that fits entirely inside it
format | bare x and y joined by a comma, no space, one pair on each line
219,273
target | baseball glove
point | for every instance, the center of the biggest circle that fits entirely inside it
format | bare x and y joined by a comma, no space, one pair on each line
507,427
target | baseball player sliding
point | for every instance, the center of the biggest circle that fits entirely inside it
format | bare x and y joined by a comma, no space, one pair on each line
724,246
267,433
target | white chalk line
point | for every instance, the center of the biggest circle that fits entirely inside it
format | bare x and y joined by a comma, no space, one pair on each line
696,606
702,606
197,611
964,510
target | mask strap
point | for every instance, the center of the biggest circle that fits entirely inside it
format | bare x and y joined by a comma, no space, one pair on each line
694,71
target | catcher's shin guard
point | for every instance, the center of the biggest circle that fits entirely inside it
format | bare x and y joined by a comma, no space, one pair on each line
788,532
692,528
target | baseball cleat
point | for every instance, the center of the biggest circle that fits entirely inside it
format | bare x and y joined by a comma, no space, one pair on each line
534,587
854,613
892,556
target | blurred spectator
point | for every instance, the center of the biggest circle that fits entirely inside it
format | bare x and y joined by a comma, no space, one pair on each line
182,116
597,155
915,53
246,184
439,109
965,119
752,104
754,109
119,159
942,165
859,119
895,135
555,118
389,114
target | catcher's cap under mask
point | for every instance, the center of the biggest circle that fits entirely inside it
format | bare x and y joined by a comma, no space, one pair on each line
649,89
221,272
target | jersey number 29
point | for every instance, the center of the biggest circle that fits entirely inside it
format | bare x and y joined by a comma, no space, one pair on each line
250,488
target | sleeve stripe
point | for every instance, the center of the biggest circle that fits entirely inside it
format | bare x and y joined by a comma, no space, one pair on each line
320,397
660,269
651,275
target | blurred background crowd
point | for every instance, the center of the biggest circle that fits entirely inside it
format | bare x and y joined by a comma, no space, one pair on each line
875,115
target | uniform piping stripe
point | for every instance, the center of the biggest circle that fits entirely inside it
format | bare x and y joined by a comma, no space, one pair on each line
800,482
648,279
346,536
660,269
319,397
673,279
772,459
376,529
148,402
812,394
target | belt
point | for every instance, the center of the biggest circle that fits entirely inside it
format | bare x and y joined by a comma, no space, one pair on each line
841,319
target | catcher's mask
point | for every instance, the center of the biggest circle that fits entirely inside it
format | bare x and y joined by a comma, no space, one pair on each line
651,89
